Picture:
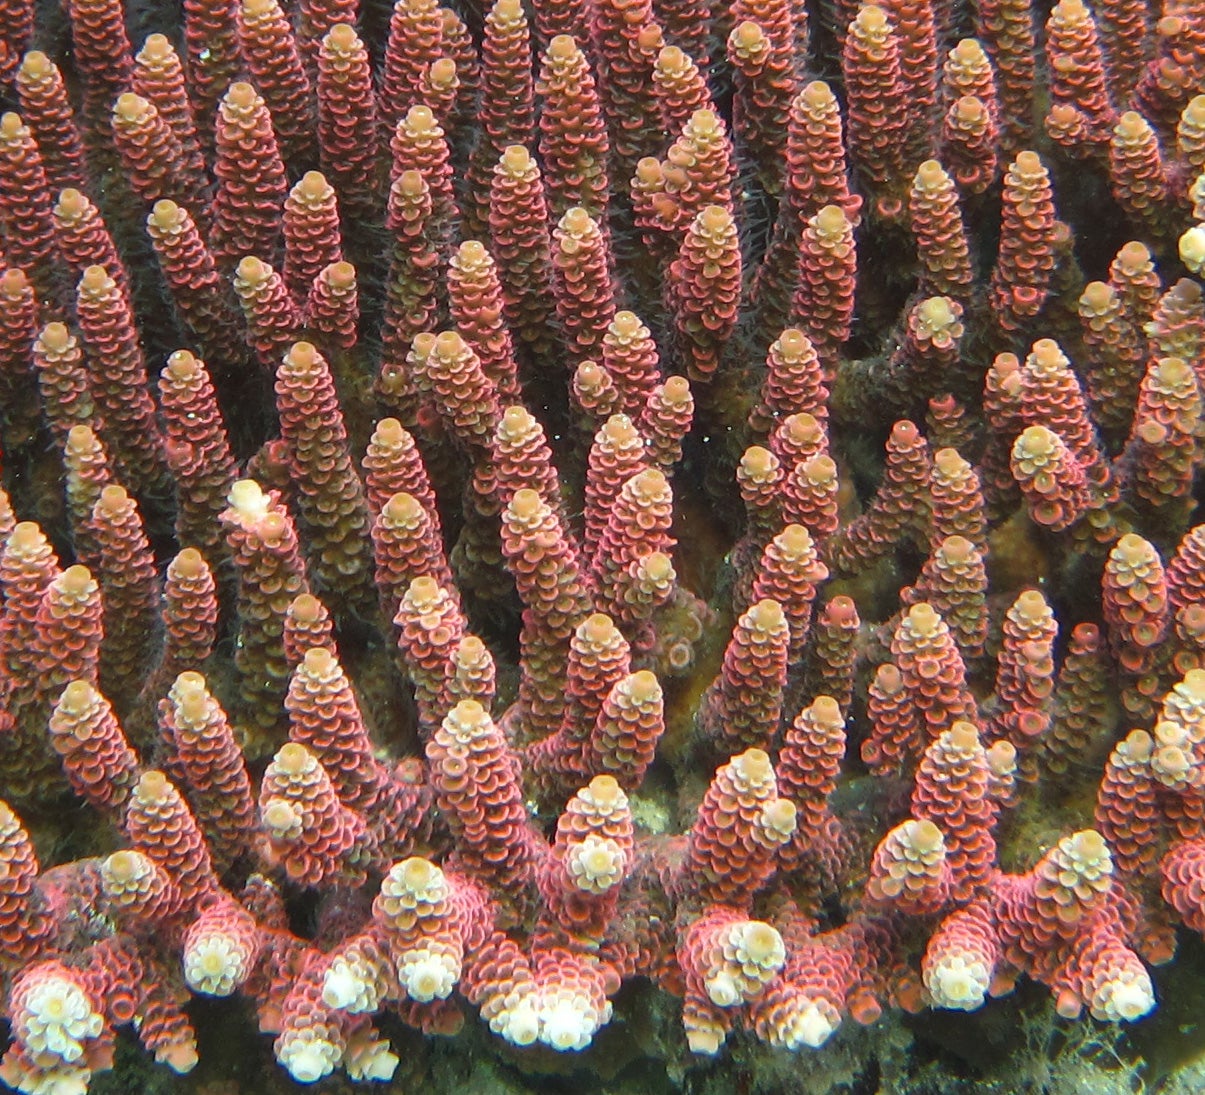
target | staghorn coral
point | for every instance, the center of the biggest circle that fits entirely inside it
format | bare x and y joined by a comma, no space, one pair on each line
474,576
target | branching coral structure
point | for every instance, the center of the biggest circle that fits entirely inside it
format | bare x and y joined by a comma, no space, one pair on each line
497,504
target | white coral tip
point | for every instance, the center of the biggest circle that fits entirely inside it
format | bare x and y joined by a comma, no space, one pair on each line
812,1028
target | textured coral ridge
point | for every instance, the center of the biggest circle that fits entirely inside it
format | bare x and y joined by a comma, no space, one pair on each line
460,576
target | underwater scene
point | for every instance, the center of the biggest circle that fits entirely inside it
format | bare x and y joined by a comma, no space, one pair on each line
627,547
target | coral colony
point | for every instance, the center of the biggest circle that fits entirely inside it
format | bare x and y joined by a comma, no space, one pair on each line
500,504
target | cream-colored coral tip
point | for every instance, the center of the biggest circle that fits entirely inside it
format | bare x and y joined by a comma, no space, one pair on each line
292,759
562,47
307,1057
77,697
442,73
152,787
627,325
1131,126
963,736
306,608
649,485
281,819
1193,685
778,820
470,650
182,365
704,123
597,629
1097,297
818,95
112,498
11,127
341,37
820,471
1131,549
643,686
71,204
419,119
923,837
1046,355
10,825
924,620
526,504
302,355
1028,162
753,765
240,95
826,711
937,314
388,433
795,541
467,720
417,875
517,1021
410,183
813,1026
605,791
714,218
76,582
793,345
95,280
930,176
449,344
970,110
402,510
55,337
758,462
967,52
1031,606
619,432
427,976
871,19
339,275
122,868
248,500
576,221
762,945
517,422
35,64
1124,998
213,965
747,36
1192,248
471,253
1002,759
312,187
705,1041
596,864
423,590
1167,732
1173,372
516,160
54,1020
648,172
1070,11
958,982
319,661
766,616
955,550
1087,847
830,221
191,697
130,107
